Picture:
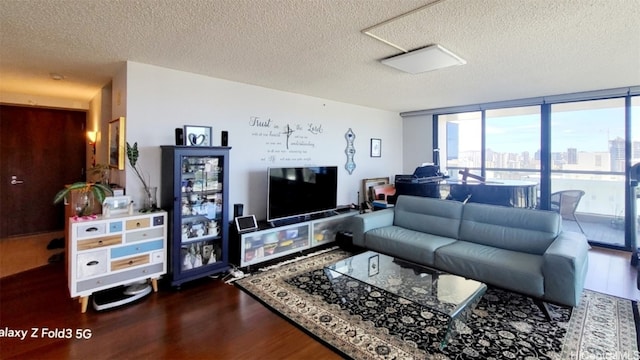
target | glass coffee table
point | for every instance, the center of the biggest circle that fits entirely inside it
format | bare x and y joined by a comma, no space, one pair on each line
450,295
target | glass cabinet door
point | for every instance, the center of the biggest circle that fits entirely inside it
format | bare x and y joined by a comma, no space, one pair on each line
201,211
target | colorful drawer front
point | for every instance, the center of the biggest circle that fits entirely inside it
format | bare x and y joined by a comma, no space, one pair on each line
138,223
136,249
146,234
91,263
158,220
91,230
115,227
99,242
129,262
118,278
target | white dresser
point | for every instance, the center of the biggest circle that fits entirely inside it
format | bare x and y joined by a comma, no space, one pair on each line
118,250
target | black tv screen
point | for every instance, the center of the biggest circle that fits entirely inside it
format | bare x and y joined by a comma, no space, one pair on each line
300,191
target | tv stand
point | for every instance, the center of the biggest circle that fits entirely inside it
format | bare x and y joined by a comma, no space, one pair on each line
288,236
299,219
288,221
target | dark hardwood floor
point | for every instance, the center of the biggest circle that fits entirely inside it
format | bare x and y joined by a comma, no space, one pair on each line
206,319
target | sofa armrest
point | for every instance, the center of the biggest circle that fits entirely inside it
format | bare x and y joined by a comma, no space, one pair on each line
373,220
565,268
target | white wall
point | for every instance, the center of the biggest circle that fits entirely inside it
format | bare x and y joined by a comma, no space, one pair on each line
98,118
158,100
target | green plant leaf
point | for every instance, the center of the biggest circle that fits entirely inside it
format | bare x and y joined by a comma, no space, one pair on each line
132,153
99,191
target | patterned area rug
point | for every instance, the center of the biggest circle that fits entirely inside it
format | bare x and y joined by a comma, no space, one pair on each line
370,324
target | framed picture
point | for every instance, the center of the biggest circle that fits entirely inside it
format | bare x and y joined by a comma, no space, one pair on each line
116,143
374,265
368,184
197,135
376,147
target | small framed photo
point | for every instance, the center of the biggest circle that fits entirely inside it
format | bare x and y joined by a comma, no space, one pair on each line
197,135
374,265
376,147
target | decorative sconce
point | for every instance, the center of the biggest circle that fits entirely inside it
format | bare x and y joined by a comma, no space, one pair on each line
91,135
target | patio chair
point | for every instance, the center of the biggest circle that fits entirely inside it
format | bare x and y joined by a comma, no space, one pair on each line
565,203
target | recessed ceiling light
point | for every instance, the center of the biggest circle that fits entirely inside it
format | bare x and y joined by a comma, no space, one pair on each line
425,59
56,76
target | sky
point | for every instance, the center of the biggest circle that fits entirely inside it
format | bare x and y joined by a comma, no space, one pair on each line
585,130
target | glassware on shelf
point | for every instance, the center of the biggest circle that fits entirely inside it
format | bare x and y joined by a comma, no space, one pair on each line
84,203
150,200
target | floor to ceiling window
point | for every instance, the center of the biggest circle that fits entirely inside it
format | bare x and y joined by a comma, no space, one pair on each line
588,156
635,159
463,145
583,146
512,143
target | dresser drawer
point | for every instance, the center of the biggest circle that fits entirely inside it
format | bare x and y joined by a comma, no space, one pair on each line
91,264
99,242
129,262
115,226
147,234
119,278
158,220
91,230
123,251
138,224
157,256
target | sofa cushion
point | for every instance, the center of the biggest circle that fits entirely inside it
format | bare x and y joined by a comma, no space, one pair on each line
406,244
503,268
522,230
428,215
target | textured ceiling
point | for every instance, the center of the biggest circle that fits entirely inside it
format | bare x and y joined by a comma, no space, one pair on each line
514,48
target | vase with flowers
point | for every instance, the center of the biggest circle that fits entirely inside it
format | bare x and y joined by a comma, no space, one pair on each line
150,200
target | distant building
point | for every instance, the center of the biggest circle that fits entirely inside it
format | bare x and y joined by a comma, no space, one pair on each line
616,153
572,156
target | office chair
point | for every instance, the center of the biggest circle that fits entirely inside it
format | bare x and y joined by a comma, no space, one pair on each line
565,203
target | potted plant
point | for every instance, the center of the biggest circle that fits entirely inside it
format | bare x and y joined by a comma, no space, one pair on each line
88,192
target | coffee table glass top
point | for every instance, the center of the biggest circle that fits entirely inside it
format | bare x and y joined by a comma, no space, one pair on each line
436,290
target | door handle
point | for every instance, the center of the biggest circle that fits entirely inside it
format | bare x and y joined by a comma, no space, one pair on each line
15,181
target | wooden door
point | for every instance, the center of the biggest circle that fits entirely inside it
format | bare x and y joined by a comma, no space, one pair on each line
41,150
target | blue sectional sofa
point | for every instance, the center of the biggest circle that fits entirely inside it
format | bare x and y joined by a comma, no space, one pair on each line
521,250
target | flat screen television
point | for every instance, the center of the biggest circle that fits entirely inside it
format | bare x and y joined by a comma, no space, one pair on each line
301,191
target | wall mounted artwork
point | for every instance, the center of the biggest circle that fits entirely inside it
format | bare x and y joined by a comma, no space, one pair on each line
350,151
116,143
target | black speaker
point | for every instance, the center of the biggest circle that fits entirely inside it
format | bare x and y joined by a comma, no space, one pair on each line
238,209
179,136
224,138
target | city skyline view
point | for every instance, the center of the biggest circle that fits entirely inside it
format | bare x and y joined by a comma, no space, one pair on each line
584,131
587,149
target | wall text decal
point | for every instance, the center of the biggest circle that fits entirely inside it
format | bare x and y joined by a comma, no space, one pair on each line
287,142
